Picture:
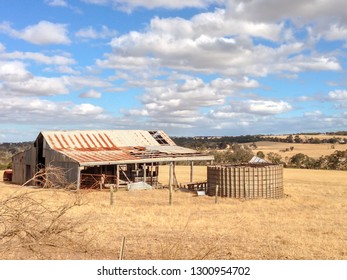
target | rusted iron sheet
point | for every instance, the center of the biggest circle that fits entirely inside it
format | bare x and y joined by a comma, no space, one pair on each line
7,176
172,149
95,156
103,139
165,137
119,155
111,146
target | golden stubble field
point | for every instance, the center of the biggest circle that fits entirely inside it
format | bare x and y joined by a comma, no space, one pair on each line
308,136
309,223
311,150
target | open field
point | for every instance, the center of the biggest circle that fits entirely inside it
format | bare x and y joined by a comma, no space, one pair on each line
308,136
309,223
312,150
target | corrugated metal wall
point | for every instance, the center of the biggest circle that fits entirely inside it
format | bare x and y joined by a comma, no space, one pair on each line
59,160
24,166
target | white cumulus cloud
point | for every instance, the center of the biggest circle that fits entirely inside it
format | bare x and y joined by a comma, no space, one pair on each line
212,42
43,33
336,32
13,71
267,107
42,112
130,5
36,86
90,94
86,109
92,33
274,10
338,95
57,3
39,57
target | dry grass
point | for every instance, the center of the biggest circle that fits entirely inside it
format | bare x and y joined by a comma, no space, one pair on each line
310,223
312,150
308,136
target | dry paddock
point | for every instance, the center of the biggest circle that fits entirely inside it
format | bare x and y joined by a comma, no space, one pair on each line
309,223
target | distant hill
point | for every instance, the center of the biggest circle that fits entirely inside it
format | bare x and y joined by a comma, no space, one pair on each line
214,142
7,150
222,142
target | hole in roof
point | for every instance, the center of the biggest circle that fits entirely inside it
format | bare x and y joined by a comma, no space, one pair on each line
158,137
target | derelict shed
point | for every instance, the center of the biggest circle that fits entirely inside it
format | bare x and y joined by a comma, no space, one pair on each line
93,158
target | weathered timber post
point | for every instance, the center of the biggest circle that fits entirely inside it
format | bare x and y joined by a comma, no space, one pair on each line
144,172
156,173
102,181
78,177
170,183
191,171
216,197
117,177
111,195
136,170
175,182
122,247
151,173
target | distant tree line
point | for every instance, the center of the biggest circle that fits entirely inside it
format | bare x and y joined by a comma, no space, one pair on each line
311,140
223,142
337,133
7,150
236,154
335,161
243,153
214,142
234,150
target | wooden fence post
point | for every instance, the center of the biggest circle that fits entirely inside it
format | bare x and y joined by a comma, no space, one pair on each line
216,197
111,195
117,176
191,171
121,253
170,183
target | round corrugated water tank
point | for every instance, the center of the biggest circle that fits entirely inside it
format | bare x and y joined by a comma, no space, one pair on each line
246,181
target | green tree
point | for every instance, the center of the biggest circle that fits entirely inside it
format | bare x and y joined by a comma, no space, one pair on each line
242,153
315,140
297,139
260,154
274,158
253,145
337,160
301,160
290,139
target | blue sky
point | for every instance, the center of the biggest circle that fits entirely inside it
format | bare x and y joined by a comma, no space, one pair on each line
193,67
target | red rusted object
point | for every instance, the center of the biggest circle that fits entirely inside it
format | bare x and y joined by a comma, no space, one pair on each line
7,175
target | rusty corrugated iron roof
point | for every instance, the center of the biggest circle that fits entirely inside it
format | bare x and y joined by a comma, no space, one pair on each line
93,146
98,156
105,139
172,149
